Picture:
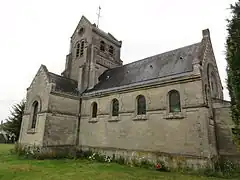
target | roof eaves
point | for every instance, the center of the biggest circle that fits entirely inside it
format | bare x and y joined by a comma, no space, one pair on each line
143,83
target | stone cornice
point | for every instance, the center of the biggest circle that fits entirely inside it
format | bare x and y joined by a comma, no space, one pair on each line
195,106
53,113
149,111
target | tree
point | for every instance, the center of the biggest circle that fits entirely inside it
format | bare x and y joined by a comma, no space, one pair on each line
233,67
13,123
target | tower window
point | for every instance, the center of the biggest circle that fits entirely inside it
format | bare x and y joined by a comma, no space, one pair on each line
77,49
111,50
94,110
102,46
174,101
82,48
34,115
115,107
80,31
141,105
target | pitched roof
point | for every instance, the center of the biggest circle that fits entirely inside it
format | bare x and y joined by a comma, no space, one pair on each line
108,36
63,84
166,64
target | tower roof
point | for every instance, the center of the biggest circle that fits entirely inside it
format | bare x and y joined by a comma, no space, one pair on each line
97,30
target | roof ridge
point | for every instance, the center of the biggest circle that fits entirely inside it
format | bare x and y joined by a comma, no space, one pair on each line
153,56
161,54
86,19
112,36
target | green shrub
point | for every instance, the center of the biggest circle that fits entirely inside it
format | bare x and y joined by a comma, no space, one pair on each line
222,169
135,162
120,160
144,163
113,158
35,152
163,166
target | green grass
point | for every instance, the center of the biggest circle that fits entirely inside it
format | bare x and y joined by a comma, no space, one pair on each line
14,168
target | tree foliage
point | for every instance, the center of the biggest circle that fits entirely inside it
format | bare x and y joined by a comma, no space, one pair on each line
13,123
233,66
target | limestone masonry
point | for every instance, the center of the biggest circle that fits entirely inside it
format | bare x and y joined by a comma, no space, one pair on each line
169,104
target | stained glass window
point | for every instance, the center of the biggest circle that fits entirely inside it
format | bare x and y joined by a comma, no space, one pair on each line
174,101
141,105
94,110
115,107
34,116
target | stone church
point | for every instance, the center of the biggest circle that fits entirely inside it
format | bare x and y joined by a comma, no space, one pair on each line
169,104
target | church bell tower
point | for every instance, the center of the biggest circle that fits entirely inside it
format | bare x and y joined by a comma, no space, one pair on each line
92,51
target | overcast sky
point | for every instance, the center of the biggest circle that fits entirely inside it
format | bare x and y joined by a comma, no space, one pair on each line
35,32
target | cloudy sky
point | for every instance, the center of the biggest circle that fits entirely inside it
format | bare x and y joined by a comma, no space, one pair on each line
35,32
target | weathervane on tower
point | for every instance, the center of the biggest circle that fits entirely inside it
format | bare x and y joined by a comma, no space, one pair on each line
98,14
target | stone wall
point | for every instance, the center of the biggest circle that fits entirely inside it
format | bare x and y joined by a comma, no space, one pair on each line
38,91
170,160
32,136
158,131
224,124
61,121
60,130
76,37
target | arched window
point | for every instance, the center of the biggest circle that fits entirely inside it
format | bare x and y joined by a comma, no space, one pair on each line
111,50
82,48
212,81
141,105
102,46
115,107
77,49
174,101
80,31
34,114
94,110
206,93
214,86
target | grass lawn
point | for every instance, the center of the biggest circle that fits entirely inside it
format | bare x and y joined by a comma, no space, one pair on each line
13,168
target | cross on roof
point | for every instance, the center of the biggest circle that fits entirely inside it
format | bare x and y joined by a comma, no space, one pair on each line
98,14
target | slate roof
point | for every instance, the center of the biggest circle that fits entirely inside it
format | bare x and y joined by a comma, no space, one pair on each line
109,36
166,64
63,84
